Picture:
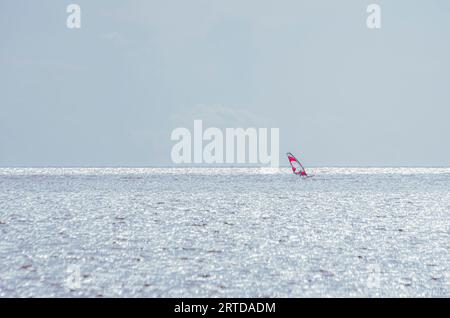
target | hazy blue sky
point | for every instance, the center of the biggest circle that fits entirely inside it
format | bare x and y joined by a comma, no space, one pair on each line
111,92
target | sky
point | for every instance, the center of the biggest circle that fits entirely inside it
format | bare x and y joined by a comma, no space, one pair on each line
111,92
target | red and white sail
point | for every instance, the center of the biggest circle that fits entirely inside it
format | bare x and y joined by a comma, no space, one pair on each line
297,167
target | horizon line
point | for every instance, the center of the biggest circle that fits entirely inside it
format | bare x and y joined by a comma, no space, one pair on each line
220,166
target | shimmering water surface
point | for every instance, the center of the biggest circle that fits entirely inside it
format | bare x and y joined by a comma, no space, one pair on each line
164,232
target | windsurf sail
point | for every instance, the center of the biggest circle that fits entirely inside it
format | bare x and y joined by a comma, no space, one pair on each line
297,167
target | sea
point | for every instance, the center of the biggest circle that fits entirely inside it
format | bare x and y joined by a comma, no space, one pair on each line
224,232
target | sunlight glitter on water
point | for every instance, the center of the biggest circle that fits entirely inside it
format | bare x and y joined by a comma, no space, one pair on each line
231,232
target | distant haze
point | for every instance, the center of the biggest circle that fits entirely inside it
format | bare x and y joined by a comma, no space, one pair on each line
111,92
